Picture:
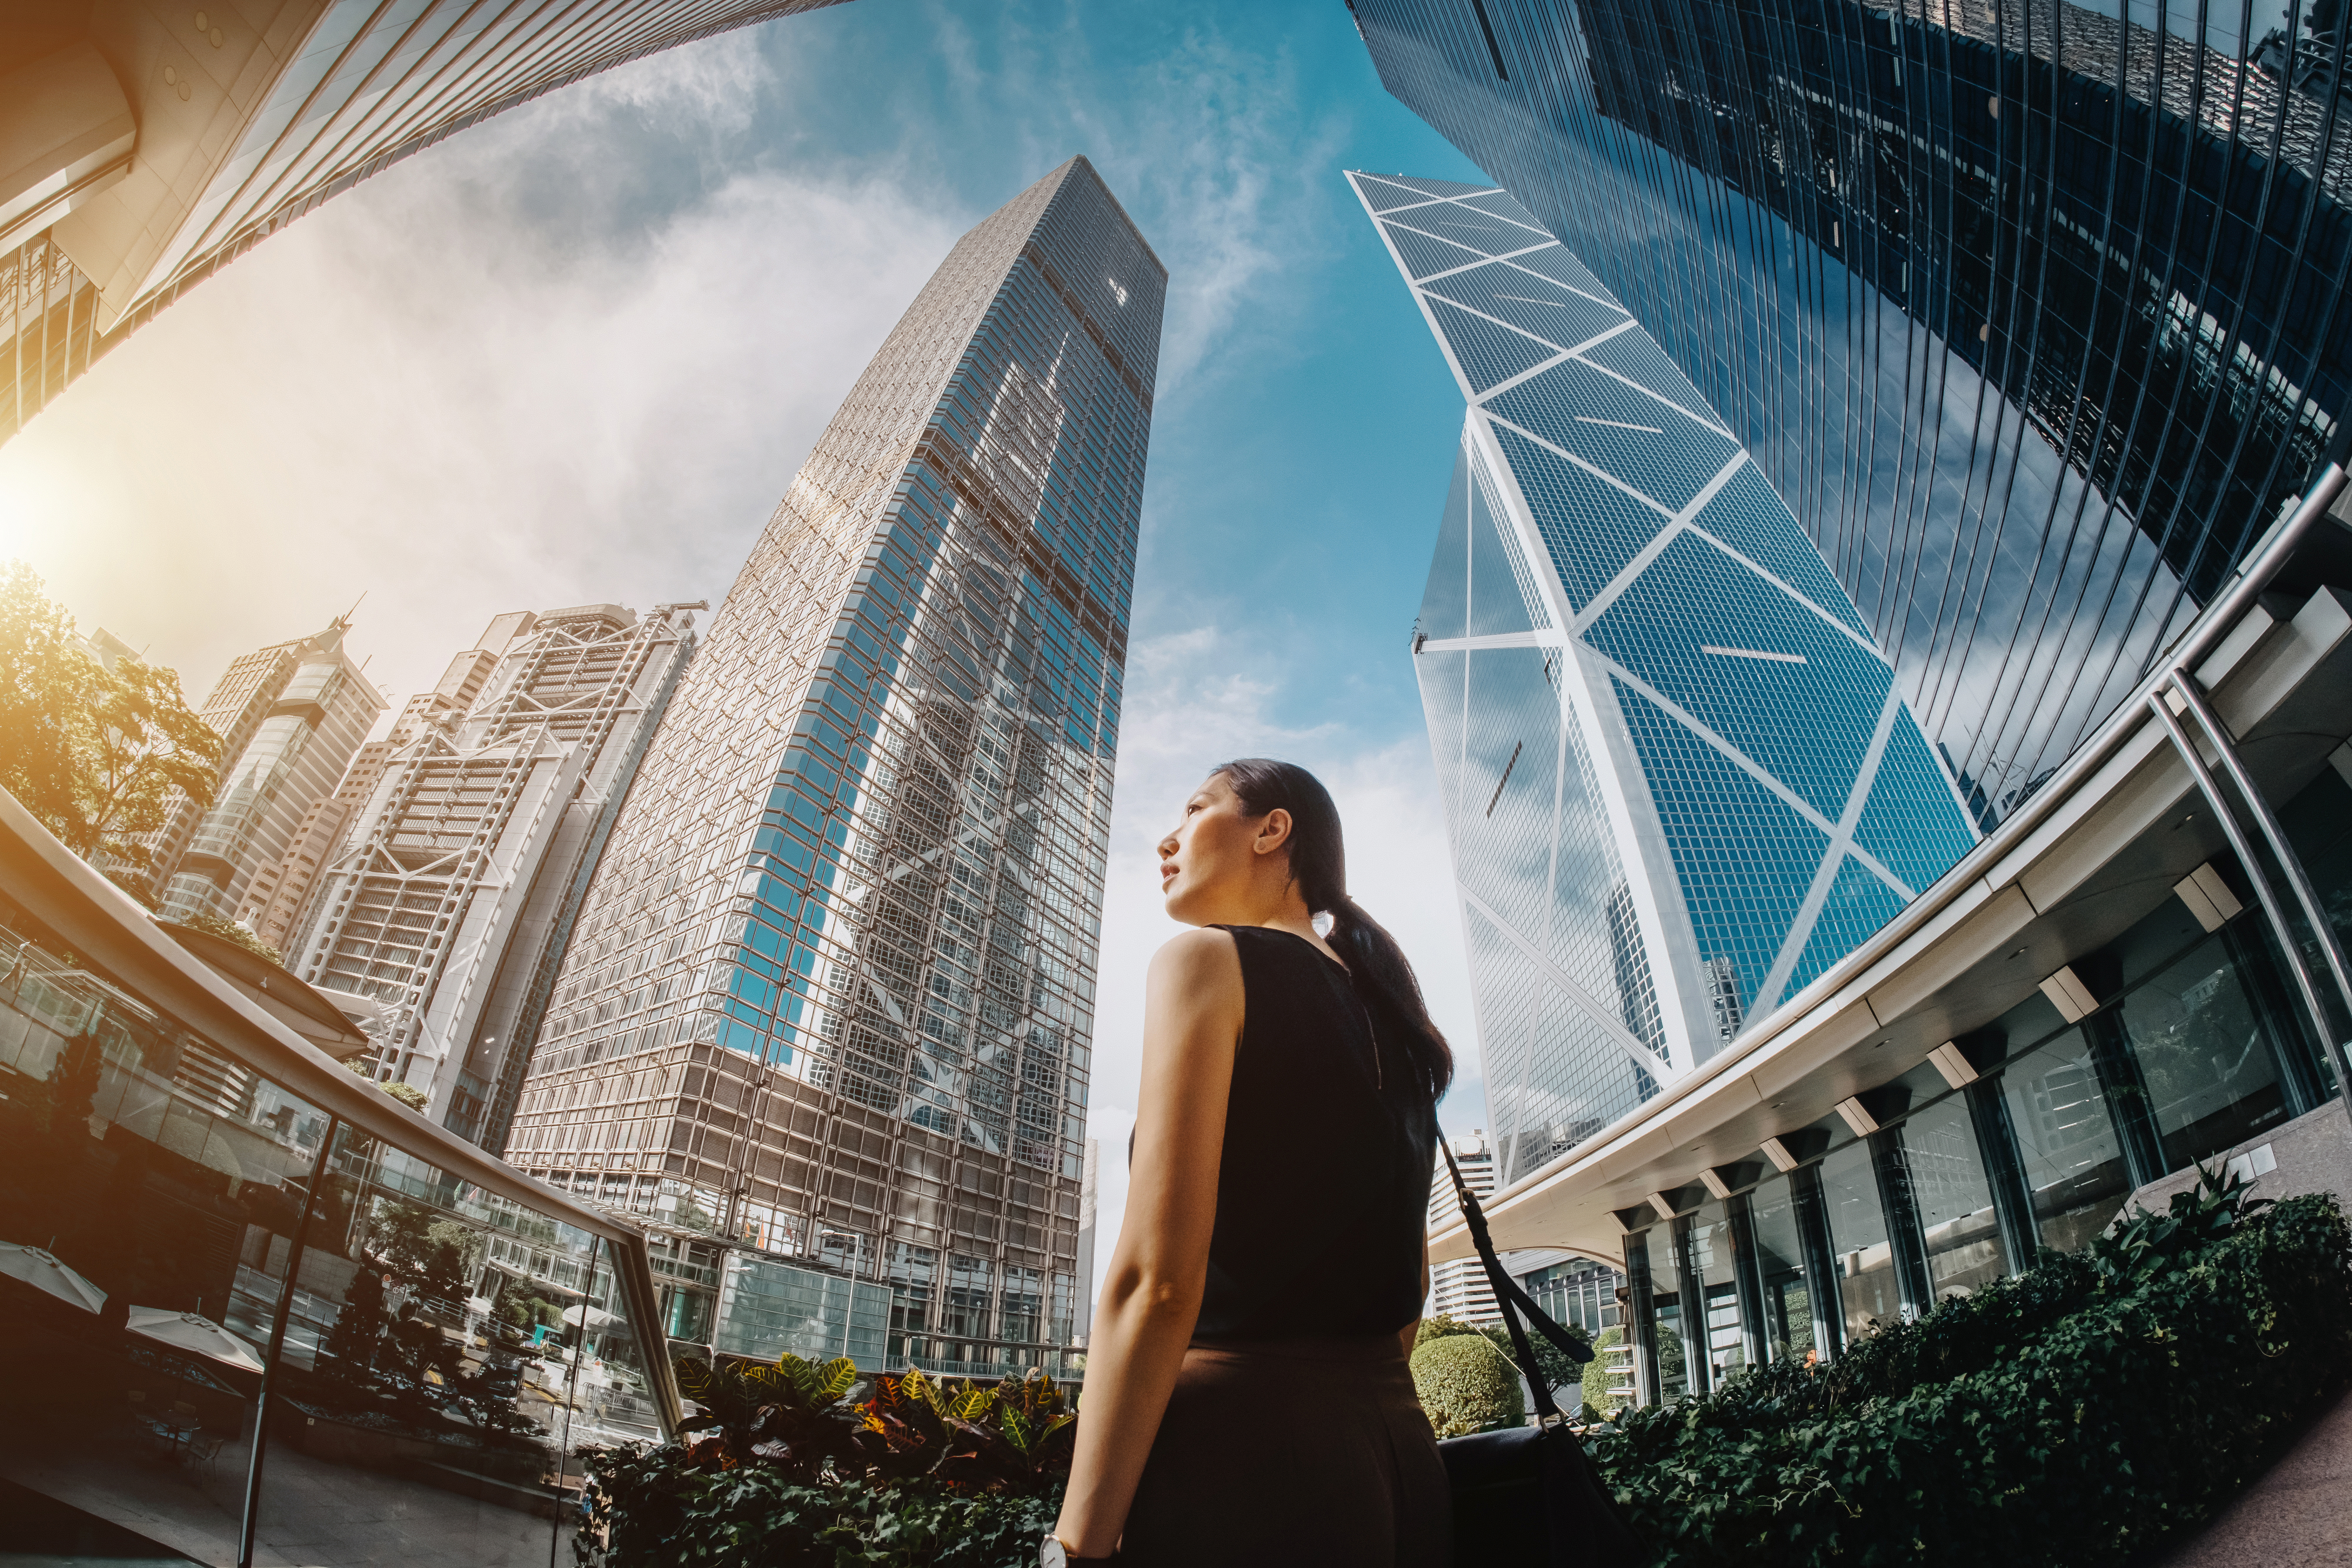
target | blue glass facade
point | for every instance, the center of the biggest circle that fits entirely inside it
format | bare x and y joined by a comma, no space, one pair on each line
2032,314
831,993
1680,779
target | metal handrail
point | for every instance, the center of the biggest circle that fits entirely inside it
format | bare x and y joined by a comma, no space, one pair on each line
109,931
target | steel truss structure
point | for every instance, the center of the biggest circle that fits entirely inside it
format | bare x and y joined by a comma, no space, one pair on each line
831,996
452,891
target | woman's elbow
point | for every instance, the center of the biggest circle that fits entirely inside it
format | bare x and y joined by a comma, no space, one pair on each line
1153,1294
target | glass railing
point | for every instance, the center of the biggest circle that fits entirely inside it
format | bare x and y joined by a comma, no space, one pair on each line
187,1242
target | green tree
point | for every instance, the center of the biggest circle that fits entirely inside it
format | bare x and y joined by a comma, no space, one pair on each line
348,1353
1559,1371
97,755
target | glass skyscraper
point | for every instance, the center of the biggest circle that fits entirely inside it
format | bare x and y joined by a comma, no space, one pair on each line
830,996
1680,781
2032,314
147,148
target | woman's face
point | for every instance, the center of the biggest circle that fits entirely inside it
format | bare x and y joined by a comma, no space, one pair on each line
1216,865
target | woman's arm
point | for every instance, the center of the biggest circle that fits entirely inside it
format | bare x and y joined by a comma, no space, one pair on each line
1151,1297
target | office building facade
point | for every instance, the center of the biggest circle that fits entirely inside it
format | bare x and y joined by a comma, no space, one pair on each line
451,897
2031,315
1680,781
289,716
831,995
141,149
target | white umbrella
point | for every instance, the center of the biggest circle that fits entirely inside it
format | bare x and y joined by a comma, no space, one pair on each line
596,1318
187,1332
43,1272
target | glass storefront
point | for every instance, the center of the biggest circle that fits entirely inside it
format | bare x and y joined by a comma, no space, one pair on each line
2193,1050
1961,1232
1786,1296
178,1231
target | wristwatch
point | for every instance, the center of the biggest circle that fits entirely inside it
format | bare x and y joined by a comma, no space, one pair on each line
1052,1553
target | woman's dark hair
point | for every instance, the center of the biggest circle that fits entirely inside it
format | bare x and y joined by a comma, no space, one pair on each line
1319,863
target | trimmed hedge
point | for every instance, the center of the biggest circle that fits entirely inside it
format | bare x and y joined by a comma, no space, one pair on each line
2078,1414
1465,1386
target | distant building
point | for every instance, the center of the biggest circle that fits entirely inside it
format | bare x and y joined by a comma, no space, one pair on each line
452,895
1460,1290
1089,1176
289,716
279,899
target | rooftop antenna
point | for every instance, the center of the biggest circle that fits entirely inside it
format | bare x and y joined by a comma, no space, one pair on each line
347,615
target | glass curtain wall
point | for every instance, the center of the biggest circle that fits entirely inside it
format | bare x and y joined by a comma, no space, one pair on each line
178,1232
2194,1038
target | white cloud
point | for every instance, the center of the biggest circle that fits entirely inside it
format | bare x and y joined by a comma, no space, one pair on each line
1190,706
431,391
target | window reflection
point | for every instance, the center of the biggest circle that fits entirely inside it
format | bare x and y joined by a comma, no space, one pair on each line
2073,1163
2205,1054
1947,1182
1779,1256
443,1349
1865,1259
1713,1258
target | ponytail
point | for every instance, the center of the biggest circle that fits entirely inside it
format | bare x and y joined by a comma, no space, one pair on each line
1318,865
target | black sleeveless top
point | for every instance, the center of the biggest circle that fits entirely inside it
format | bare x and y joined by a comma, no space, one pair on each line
1323,1188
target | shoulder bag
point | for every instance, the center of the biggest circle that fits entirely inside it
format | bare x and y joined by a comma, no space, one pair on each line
1529,1495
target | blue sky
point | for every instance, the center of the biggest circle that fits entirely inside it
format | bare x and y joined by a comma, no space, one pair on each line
575,355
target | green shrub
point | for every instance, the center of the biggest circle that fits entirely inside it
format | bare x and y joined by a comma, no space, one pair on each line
653,1511
1595,1382
2080,1415
1442,1326
809,1463
1466,1386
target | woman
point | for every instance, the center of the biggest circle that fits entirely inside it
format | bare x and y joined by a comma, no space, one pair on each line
1246,1399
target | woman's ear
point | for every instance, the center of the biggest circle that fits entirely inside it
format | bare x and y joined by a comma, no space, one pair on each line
1273,832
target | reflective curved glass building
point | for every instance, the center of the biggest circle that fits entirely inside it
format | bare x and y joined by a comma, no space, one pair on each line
2031,314
1680,780
142,147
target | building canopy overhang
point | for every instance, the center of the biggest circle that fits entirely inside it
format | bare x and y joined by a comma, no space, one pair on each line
2108,836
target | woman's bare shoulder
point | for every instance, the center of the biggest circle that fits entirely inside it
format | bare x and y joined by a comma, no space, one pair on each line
1202,950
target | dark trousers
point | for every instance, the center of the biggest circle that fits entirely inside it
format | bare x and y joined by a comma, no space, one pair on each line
1300,1452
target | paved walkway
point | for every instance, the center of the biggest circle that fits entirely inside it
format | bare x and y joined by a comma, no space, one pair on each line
2294,1517
314,1513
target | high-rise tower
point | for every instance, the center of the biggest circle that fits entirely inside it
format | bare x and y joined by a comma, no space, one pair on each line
289,717
832,992
1680,780
465,861
2034,313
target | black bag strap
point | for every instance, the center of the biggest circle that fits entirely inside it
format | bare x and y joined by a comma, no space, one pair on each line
1514,1300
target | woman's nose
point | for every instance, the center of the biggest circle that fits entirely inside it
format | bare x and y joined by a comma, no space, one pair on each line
1166,847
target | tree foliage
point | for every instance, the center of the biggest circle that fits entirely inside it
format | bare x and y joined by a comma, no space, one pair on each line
803,1462
2084,1413
229,930
1552,1363
97,755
